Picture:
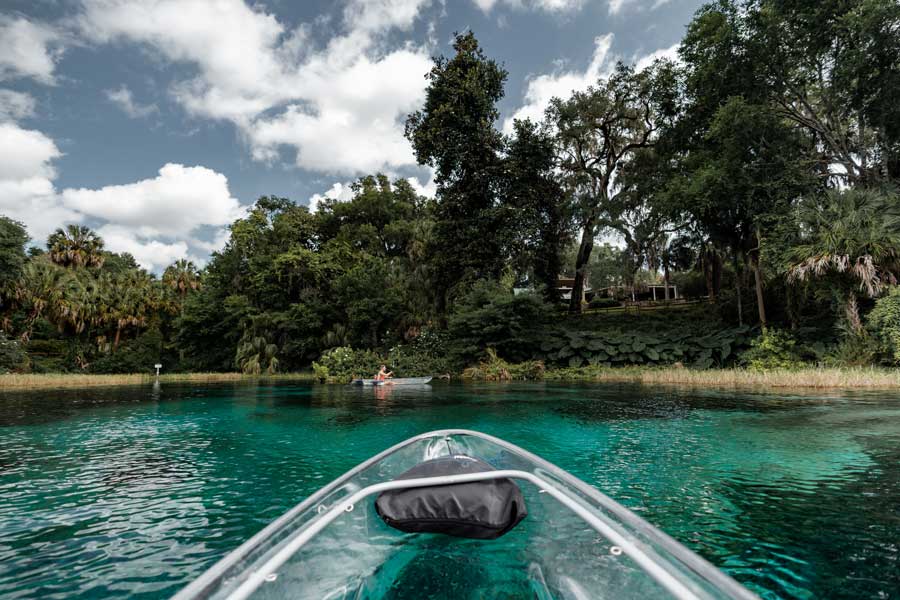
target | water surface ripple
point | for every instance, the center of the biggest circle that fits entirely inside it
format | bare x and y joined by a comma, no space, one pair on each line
135,491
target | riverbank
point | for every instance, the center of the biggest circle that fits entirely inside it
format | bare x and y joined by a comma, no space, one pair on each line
821,378
30,381
847,378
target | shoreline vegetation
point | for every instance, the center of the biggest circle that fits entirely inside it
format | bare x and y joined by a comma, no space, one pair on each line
804,378
753,248
33,381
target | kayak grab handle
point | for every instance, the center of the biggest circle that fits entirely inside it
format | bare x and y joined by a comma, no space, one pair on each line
649,565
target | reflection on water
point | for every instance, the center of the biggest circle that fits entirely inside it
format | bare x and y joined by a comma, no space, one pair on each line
134,491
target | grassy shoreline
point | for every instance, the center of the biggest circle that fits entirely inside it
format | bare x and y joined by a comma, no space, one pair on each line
19,382
811,378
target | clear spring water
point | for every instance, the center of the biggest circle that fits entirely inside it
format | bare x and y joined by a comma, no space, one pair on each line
135,491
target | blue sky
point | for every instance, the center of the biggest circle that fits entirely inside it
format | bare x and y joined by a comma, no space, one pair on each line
157,121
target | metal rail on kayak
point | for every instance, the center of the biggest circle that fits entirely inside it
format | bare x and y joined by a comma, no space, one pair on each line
649,560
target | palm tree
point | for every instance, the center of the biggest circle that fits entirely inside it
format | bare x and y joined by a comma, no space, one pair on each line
256,354
75,246
130,297
852,236
183,277
42,291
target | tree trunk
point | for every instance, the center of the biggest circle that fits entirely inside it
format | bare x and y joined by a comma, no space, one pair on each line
708,273
581,263
666,278
118,335
738,288
852,312
793,313
712,270
760,302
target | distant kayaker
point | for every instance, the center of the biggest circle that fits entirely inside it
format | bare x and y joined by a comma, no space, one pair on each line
383,374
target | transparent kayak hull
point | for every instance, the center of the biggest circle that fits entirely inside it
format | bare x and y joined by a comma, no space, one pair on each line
393,381
575,543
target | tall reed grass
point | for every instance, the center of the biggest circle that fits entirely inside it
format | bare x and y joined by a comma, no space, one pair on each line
29,381
849,378
863,377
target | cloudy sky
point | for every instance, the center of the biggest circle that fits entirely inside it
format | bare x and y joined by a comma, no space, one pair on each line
157,121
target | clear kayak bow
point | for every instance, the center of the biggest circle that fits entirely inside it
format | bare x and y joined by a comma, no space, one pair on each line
575,543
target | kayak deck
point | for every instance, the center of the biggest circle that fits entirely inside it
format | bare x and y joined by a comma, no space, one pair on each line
575,543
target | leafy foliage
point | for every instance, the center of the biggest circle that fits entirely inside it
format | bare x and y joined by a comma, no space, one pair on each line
75,246
494,368
427,354
773,349
491,317
343,364
12,356
135,356
619,347
884,325
454,133
711,171
12,255
601,302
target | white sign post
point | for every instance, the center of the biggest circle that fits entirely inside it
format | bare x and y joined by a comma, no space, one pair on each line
158,366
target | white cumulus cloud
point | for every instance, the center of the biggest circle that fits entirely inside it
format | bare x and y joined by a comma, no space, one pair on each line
151,254
552,6
217,243
617,6
124,99
158,220
340,107
174,203
428,189
25,153
27,193
342,192
560,84
15,105
670,53
28,49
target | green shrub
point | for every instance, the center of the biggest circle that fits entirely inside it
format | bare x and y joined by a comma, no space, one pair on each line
695,345
494,368
773,349
884,325
133,356
344,363
425,355
601,302
491,317
691,284
49,356
853,351
12,356
321,372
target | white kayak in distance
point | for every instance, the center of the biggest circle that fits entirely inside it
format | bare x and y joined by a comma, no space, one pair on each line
393,381
461,514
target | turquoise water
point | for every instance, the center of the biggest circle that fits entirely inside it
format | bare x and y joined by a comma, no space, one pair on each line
135,491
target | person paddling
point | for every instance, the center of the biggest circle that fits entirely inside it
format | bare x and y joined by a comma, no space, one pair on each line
383,374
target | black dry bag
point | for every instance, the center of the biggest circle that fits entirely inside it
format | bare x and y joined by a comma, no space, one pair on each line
480,509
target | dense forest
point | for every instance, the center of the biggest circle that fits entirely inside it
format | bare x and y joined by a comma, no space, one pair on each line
758,173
